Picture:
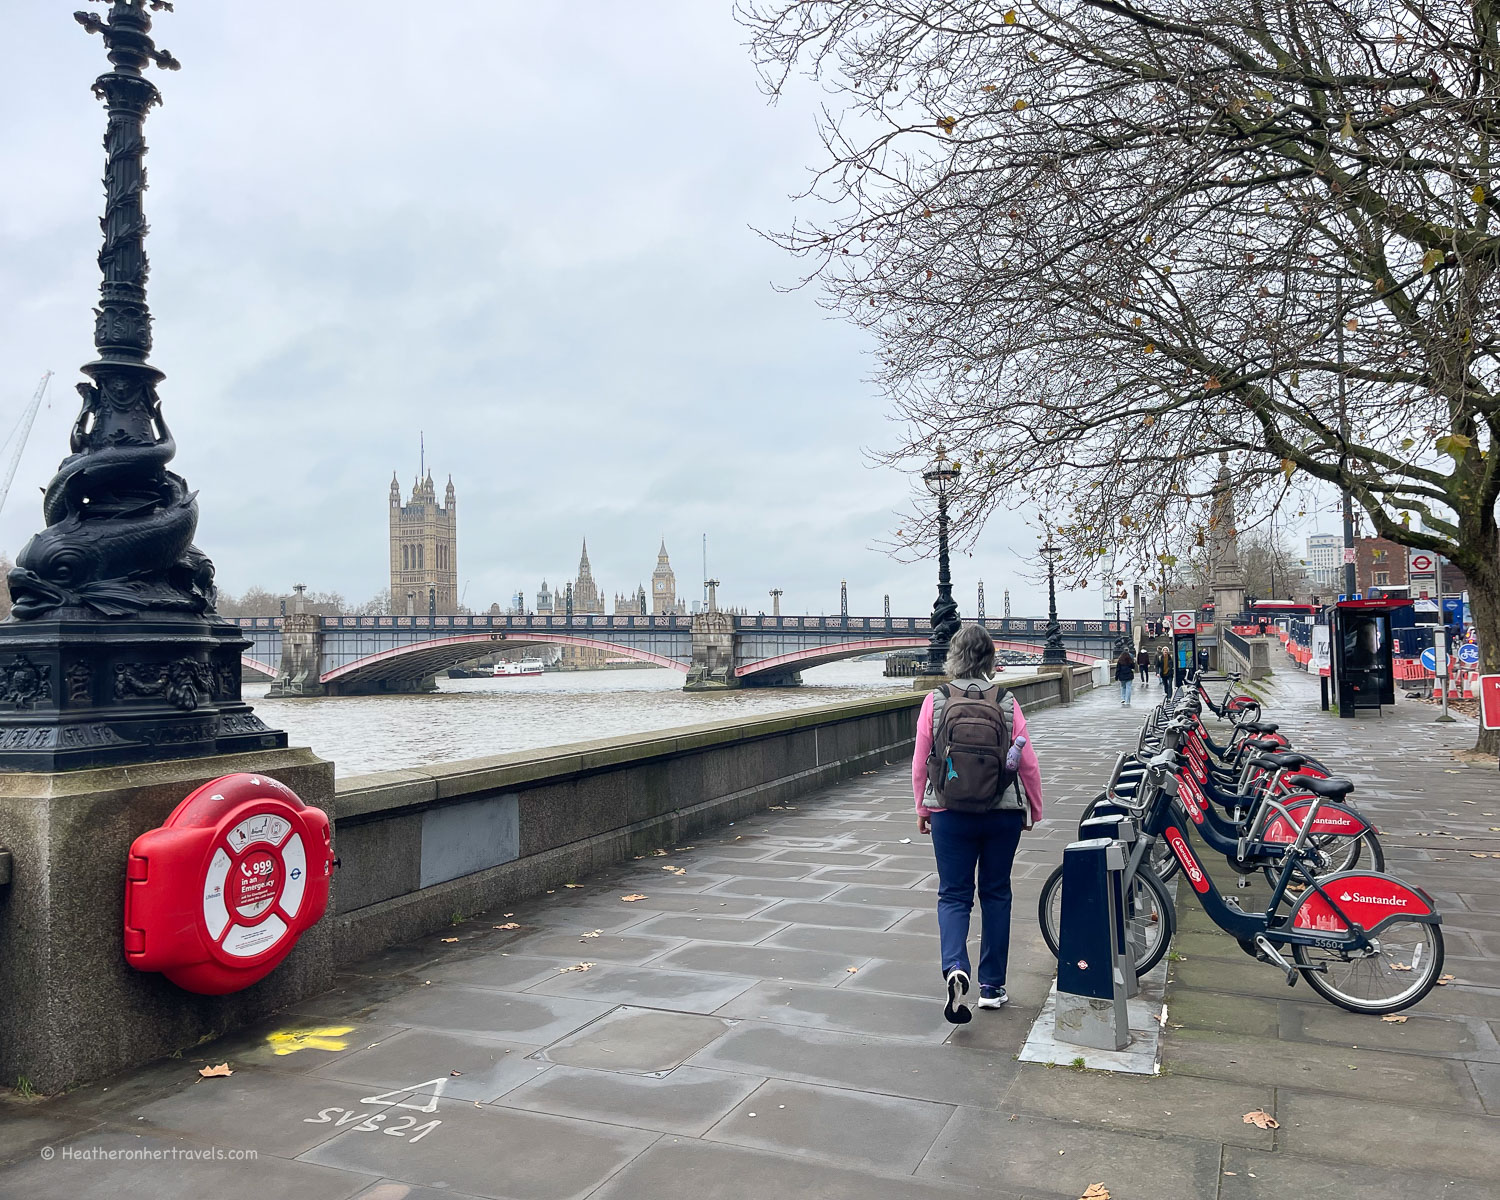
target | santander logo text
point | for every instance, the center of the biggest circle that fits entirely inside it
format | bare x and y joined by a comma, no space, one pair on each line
1390,901
1185,856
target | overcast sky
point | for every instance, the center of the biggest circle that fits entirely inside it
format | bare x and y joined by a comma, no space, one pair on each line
524,230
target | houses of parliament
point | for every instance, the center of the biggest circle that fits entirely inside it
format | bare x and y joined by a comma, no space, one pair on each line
424,570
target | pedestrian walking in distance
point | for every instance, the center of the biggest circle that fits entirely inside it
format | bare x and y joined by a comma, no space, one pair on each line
1164,669
1143,665
978,787
1125,674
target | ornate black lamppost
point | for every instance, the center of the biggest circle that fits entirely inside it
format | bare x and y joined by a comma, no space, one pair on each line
113,652
945,623
1052,650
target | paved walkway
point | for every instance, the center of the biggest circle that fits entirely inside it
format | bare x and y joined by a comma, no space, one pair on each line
763,1022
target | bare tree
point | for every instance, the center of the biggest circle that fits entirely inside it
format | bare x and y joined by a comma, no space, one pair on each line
1105,244
256,601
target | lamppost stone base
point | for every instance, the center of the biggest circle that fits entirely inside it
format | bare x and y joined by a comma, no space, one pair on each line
81,691
70,1007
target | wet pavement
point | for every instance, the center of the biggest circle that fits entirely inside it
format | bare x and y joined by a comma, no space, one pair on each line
764,1019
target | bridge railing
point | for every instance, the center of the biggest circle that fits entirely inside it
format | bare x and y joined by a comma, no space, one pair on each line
898,626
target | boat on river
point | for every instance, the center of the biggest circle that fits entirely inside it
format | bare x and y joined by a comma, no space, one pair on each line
505,669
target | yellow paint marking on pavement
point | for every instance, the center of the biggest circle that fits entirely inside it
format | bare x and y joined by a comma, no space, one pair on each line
329,1037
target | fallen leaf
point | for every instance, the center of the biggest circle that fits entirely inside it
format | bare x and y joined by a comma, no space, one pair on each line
1445,980
1261,1120
593,934
507,925
632,898
576,967
659,853
222,1071
447,939
455,1074
1472,854
1096,1191
1395,966
851,970
1394,1018
573,885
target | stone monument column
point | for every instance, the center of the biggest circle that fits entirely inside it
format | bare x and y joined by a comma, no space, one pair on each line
1227,577
119,682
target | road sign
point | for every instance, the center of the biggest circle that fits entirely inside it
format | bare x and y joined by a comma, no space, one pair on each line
1184,622
1423,562
1489,701
1348,554
1468,654
1429,658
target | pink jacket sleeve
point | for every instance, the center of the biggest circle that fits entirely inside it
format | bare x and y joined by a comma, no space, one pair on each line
920,754
1030,770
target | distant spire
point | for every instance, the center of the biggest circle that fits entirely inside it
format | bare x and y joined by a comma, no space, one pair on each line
422,462
661,555
583,561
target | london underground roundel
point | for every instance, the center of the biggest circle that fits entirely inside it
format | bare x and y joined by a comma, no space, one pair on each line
219,895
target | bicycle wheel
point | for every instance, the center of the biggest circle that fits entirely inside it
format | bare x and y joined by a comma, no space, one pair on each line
1149,926
1399,971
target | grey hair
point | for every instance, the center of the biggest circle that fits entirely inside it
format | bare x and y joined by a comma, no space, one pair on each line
971,654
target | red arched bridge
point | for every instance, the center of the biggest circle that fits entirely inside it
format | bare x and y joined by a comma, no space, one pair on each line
310,655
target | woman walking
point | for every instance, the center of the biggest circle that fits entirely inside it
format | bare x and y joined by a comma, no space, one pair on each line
1125,674
977,786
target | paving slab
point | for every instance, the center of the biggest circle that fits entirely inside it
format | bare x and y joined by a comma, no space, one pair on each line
776,889
477,1068
1162,1104
1062,1158
886,1133
946,1074
838,1008
684,991
683,1169
839,915
763,962
506,1016
267,1111
1399,1135
710,929
640,1040
1256,1175
115,1164
488,1151
686,1100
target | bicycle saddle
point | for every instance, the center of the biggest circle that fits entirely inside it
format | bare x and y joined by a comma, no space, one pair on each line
1259,726
1329,789
1279,762
1260,744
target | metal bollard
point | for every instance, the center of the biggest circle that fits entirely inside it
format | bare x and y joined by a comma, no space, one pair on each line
1093,959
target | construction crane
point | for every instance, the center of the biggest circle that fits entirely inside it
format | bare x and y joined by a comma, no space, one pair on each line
19,434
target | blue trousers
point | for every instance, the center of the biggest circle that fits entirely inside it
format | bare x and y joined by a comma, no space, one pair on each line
963,844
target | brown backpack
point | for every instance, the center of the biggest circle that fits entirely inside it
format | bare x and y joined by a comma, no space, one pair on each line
967,767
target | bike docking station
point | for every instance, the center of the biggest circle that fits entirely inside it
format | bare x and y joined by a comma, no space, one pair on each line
1099,1011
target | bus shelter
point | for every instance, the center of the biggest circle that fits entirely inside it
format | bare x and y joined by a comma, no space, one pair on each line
1363,672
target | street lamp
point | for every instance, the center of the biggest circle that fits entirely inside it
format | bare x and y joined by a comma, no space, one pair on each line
114,652
940,479
1052,651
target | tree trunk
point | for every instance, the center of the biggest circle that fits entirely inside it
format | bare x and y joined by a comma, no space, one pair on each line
1484,599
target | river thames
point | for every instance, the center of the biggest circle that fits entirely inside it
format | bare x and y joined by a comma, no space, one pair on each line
468,718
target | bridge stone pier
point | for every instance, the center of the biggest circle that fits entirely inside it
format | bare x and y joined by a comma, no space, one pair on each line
312,655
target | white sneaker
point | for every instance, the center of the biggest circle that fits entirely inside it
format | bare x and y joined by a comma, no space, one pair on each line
957,1008
991,997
